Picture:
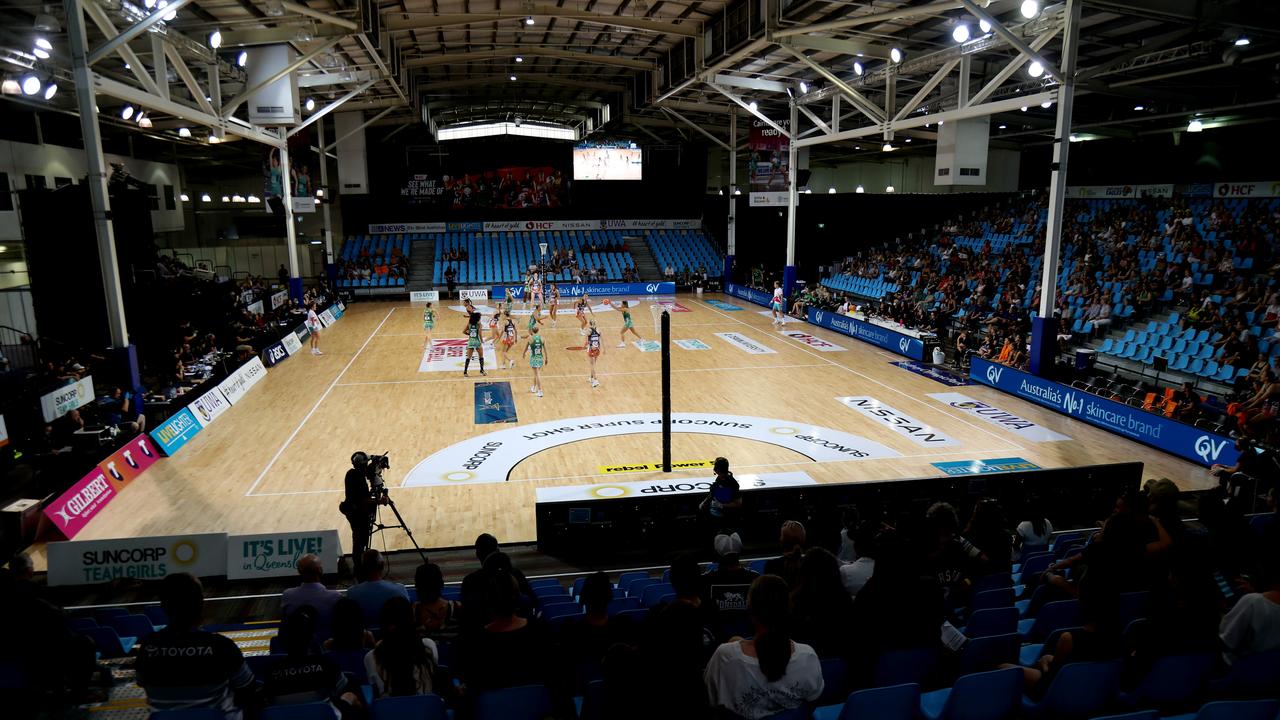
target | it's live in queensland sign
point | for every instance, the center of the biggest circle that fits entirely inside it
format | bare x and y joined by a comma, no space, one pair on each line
1185,441
276,554
600,289
881,337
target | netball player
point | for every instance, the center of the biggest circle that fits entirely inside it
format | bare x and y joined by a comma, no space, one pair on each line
594,348
475,345
495,332
428,323
467,307
535,319
315,326
536,285
777,303
536,351
508,301
627,325
527,296
582,308
508,330
553,296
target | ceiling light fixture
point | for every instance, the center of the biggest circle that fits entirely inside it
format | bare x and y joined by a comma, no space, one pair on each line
204,197
752,106
1242,41
804,87
169,16
10,87
1195,125
184,132
528,20
242,58
184,197
1075,138
126,112
1035,69
1024,108
144,121
831,191
310,104
888,188
737,191
984,26
226,199
895,54
40,52
961,33
31,85
857,68
1002,127
512,78
519,58
907,140
887,147
237,198
1139,108
215,39
1030,9
50,90
859,190
1046,104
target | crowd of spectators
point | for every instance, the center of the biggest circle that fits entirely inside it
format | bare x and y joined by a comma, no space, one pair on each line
394,264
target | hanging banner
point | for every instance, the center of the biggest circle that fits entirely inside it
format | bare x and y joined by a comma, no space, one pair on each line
1269,188
67,398
767,166
276,554
87,562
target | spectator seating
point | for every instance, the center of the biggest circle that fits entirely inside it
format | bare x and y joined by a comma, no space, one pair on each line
684,250
377,246
504,257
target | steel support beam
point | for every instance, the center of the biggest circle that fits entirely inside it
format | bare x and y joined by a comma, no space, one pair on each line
497,79
815,119
859,100
193,86
1049,68
230,108
857,48
750,83
161,69
747,106
937,8
134,30
792,195
395,21
107,28
323,17
328,192
137,96
732,241
290,230
505,54
695,126
97,175
710,71
279,34
927,88
330,107
1058,169
1012,67
382,66
325,79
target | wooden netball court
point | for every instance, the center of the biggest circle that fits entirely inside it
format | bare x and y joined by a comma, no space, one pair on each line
276,460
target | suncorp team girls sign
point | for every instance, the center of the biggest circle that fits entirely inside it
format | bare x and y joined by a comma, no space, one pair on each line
1185,441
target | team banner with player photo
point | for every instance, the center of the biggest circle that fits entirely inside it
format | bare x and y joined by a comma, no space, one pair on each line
67,398
1177,438
279,299
498,292
613,491
87,562
490,458
767,166
276,554
511,187
881,337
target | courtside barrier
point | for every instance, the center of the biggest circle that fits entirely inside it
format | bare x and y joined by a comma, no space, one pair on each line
73,510
499,292
881,337
759,297
1176,438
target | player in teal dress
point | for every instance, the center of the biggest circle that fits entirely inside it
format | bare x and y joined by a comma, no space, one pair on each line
474,343
627,325
536,350
535,319
428,323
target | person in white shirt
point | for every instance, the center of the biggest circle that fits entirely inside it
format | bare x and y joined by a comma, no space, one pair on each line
769,673
854,575
1036,532
314,326
1253,625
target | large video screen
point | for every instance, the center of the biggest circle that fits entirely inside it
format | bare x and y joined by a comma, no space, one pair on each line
607,161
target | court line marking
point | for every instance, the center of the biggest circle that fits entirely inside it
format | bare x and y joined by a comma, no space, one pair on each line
315,407
582,375
913,398
549,329
795,463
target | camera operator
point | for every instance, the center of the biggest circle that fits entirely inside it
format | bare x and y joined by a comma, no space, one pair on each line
363,496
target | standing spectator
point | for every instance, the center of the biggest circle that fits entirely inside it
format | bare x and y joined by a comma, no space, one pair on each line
724,502
374,592
769,673
475,584
989,532
183,666
787,566
678,640
402,663
311,591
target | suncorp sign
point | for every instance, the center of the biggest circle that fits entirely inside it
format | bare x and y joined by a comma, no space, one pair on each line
1171,436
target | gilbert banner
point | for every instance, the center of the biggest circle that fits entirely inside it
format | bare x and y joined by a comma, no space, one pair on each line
73,510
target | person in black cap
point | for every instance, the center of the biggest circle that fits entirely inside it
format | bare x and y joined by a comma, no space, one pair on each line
724,502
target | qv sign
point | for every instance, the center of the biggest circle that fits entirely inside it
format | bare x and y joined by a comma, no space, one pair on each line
884,338
749,294
499,292
1158,431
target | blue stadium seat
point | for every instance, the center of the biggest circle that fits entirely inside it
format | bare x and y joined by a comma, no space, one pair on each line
992,621
991,695
897,667
987,653
409,707
1234,710
303,711
527,702
1079,690
895,702
1249,676
110,643
1172,681
1053,616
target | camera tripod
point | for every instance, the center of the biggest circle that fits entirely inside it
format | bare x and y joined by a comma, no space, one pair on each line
376,525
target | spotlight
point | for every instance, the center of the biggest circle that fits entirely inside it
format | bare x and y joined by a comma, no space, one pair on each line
126,112
31,85
44,22
1035,69
184,132
804,87
752,106
831,191
214,139
961,33
528,20
237,198
50,90
722,191
184,197
859,190
1030,8
1074,137
895,55
808,191
40,52
310,104
144,121
737,191
907,140
149,3
857,68
512,78
204,197
226,199
1195,126
169,15
888,188
319,192
1002,127
1024,108
1242,41
242,58
887,147
984,26
215,39
1139,108
10,87
519,58
1046,104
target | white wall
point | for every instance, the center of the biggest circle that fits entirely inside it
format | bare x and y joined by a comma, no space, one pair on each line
53,161
907,173
264,260
16,310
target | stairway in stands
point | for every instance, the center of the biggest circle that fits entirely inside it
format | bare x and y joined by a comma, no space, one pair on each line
646,265
422,261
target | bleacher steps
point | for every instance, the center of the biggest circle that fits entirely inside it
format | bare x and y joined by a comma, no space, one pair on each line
422,259
646,265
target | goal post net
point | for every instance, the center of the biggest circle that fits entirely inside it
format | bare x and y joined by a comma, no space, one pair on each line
656,310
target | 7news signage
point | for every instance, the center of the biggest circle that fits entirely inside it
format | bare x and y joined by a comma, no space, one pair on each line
1185,441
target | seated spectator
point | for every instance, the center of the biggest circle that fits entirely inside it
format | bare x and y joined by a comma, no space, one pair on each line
1035,531
475,584
183,666
508,650
678,639
952,557
1098,638
1253,625
585,640
402,663
726,586
787,566
347,631
311,591
769,673
303,675
989,532
854,575
374,591
900,606
437,617
821,612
